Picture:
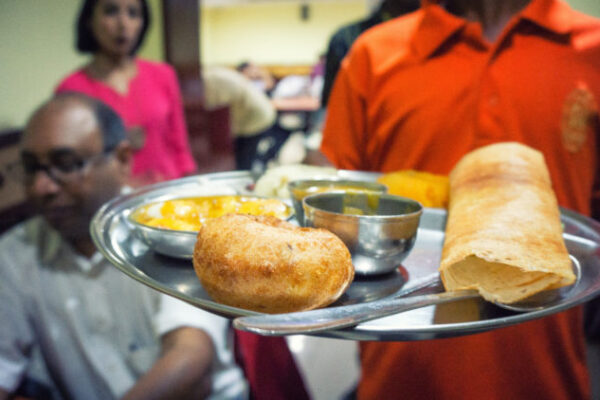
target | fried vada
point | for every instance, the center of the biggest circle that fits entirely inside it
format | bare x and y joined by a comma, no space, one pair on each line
264,264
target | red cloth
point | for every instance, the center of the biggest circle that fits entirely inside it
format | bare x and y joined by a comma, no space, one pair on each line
152,102
419,92
269,366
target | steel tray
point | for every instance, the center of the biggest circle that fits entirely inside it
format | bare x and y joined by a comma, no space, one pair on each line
176,277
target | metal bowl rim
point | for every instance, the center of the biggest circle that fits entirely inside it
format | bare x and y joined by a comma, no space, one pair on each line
336,179
153,229
374,218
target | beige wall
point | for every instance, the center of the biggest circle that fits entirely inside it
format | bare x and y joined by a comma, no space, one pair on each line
38,48
272,33
591,7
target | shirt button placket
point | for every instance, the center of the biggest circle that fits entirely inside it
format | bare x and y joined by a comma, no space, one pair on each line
489,127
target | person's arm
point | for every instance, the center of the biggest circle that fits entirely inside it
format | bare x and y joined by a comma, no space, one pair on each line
336,51
178,133
315,157
17,337
345,130
183,371
299,103
267,78
4,395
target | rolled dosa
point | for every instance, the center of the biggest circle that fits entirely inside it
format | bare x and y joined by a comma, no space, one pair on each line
503,233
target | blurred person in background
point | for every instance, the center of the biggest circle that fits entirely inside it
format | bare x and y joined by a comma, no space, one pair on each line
338,46
421,91
260,77
253,119
145,94
341,41
99,334
267,361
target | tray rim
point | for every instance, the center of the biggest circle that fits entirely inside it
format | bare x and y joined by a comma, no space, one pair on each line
364,331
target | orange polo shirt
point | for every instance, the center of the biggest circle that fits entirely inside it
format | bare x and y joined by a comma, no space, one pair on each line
422,90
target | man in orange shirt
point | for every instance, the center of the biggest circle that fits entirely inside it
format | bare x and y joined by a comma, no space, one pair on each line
422,90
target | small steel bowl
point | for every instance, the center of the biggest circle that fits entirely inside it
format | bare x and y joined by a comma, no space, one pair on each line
379,239
301,188
176,243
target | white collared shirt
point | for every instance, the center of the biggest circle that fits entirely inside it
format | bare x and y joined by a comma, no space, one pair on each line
97,329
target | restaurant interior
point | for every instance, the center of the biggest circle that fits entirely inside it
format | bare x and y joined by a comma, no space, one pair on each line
285,37
230,32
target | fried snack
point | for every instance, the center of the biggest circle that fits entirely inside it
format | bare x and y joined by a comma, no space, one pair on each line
430,190
504,235
264,264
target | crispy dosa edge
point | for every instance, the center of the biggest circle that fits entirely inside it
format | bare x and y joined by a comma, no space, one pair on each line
503,234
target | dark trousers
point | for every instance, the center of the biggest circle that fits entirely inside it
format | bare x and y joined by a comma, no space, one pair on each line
254,152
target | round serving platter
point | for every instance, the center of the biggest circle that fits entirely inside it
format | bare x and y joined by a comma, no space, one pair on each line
113,236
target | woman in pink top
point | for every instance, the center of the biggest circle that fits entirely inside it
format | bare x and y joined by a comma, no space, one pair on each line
145,94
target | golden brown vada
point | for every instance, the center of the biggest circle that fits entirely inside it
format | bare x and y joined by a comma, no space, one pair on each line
264,264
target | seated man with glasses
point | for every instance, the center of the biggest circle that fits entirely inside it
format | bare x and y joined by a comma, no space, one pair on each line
97,333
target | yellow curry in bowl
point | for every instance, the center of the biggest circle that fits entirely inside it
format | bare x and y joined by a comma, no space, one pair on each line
302,188
188,214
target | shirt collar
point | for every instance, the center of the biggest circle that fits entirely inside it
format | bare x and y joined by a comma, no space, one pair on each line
54,250
45,239
437,25
51,245
87,265
553,15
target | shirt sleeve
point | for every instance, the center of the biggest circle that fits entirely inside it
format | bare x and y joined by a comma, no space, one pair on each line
16,336
336,51
228,380
257,111
61,88
179,142
344,133
174,313
71,83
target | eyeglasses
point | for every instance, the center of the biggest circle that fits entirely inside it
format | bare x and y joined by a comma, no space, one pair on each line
64,165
